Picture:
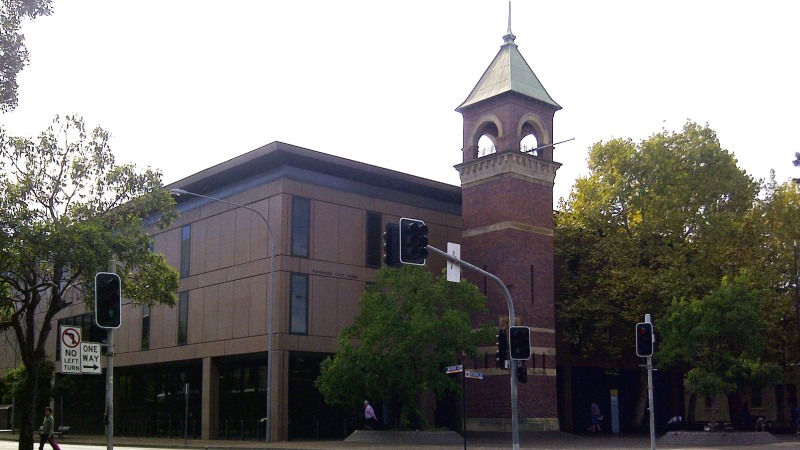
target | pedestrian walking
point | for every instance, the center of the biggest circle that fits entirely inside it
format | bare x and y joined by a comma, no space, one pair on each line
370,421
596,417
48,428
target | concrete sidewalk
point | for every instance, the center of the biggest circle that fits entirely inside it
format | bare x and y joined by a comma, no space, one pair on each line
480,441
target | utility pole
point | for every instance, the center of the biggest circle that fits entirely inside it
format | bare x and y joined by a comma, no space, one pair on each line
796,288
511,322
650,393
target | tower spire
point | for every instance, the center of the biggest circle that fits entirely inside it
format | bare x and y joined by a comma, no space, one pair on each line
509,37
509,18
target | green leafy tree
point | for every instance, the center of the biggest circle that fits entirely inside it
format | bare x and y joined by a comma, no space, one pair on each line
774,227
13,54
652,221
721,339
14,390
410,327
66,210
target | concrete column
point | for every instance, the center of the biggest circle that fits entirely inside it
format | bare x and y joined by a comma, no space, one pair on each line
210,402
280,396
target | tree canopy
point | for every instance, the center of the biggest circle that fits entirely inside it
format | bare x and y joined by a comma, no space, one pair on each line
721,339
651,222
13,53
66,210
721,342
410,327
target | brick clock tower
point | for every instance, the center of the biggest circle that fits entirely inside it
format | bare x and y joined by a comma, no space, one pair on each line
507,210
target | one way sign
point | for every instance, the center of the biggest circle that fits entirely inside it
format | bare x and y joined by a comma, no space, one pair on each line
90,358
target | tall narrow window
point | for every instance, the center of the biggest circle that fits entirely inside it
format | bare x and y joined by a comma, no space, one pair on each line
183,317
301,226
374,239
186,243
299,293
145,327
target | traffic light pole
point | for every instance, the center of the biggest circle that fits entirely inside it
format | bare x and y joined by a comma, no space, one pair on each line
112,267
650,394
650,398
511,322
110,390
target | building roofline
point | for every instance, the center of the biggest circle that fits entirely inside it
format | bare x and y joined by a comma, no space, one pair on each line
278,154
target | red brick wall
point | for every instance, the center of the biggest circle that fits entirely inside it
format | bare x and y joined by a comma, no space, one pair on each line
523,260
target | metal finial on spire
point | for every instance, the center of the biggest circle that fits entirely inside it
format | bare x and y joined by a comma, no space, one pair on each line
509,18
509,37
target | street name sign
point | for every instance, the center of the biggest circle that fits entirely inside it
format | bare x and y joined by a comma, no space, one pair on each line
475,375
455,369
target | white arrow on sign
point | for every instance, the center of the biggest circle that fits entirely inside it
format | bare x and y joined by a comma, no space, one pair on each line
90,358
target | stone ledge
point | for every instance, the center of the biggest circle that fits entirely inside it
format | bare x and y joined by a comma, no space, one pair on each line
720,438
406,437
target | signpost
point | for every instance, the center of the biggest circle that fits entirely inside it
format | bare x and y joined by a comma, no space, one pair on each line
78,357
453,268
90,358
467,374
70,349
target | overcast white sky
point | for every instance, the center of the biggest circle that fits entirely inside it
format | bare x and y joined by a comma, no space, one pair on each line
184,85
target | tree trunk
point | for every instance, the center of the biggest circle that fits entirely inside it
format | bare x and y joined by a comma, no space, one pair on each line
714,412
28,427
735,410
690,414
640,413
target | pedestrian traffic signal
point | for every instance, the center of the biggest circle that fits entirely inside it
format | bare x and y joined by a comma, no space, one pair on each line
391,242
413,241
644,339
107,300
519,342
502,349
522,372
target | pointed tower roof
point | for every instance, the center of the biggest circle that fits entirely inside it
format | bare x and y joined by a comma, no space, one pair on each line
508,72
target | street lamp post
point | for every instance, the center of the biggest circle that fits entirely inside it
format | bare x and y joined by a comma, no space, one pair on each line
270,297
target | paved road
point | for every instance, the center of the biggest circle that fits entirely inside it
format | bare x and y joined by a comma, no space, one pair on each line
565,441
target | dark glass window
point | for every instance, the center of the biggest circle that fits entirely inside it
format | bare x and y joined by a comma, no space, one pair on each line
183,318
145,327
301,226
186,242
299,304
374,239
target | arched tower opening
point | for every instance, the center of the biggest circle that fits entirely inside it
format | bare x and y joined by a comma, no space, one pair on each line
529,143
487,142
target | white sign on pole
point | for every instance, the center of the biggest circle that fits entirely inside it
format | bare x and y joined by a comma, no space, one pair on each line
90,358
453,269
70,349
476,375
455,369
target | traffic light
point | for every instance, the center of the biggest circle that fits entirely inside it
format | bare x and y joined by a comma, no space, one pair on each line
107,300
391,242
644,339
413,241
519,341
522,372
502,349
